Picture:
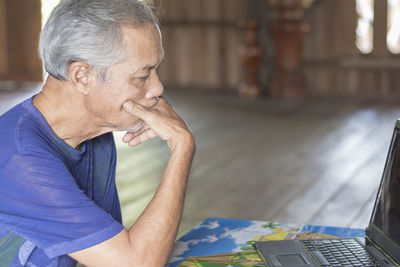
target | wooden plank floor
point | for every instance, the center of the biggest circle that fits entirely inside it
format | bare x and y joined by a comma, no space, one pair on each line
313,161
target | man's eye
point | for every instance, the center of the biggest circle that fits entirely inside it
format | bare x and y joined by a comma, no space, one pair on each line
144,78
140,81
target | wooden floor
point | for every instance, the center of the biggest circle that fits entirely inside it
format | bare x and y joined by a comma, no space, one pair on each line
313,161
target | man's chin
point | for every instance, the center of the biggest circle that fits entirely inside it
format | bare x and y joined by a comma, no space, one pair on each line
136,127
132,129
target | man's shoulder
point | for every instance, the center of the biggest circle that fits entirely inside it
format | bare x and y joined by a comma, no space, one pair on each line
10,118
9,122
20,130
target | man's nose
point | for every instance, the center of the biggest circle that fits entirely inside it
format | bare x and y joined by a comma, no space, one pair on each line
155,89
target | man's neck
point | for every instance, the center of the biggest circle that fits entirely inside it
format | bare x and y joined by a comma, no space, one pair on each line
64,110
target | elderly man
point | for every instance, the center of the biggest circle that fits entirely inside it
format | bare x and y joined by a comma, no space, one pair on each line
58,200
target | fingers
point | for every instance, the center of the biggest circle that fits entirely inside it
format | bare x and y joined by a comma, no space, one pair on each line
136,110
141,138
135,139
129,135
162,121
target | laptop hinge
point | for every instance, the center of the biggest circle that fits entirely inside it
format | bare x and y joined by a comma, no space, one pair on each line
375,251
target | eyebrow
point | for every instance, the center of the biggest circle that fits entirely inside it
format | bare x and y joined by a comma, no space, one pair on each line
149,67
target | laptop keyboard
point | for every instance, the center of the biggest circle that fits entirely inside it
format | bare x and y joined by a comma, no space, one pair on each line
339,252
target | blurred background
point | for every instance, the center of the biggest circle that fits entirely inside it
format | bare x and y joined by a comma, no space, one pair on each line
292,103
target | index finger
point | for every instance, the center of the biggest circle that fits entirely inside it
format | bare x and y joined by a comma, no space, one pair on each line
138,110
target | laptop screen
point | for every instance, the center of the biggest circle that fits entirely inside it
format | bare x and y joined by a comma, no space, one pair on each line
384,227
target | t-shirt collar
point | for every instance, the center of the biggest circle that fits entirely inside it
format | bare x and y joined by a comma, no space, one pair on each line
69,151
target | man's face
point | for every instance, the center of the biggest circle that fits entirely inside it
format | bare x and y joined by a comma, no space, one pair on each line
133,79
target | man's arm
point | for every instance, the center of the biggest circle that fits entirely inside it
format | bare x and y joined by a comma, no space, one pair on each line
150,239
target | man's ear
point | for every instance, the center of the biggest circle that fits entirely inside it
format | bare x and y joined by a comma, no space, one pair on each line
79,75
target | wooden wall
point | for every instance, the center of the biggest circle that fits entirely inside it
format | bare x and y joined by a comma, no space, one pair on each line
333,63
20,25
201,42
331,40
3,38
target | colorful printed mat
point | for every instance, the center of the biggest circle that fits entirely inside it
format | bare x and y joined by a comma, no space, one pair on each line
225,242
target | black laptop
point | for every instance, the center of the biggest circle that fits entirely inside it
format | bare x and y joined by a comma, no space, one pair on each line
381,245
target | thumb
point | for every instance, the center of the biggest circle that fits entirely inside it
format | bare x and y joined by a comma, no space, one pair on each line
135,109
130,107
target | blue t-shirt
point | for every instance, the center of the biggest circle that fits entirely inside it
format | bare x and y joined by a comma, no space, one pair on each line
54,199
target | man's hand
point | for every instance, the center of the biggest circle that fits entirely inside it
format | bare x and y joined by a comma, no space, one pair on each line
161,121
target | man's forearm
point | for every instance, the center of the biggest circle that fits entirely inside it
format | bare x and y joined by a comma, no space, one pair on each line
155,230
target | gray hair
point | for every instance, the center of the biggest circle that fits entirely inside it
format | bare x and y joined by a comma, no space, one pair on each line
89,31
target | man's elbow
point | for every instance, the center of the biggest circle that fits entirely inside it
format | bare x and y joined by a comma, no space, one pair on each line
143,255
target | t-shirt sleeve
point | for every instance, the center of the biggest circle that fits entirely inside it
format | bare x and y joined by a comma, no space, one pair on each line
40,200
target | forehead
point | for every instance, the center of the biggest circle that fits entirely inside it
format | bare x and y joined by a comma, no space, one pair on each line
143,44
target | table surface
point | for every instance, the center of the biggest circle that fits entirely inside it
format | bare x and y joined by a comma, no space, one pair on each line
228,242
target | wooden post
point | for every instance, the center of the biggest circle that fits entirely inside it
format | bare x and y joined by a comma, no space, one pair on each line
288,27
3,38
19,38
380,48
251,53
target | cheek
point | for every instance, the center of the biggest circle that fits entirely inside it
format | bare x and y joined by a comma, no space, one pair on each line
135,94
116,93
117,98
